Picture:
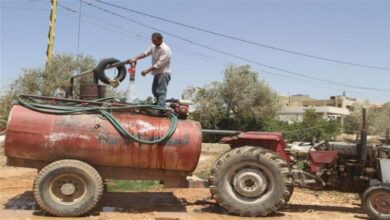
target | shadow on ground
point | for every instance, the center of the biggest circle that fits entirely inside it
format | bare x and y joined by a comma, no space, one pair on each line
140,202
134,202
308,208
24,201
214,208
144,202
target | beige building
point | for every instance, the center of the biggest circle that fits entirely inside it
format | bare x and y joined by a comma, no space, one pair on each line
294,100
334,108
292,114
334,101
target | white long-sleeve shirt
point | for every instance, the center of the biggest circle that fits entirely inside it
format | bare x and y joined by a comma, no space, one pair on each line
161,58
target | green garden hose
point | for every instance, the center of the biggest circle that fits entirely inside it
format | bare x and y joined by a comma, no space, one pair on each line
105,111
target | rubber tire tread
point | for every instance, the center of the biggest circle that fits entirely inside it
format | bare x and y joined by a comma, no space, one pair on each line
100,74
365,204
91,174
263,156
290,189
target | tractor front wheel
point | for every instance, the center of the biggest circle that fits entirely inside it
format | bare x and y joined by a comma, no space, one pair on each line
376,202
250,181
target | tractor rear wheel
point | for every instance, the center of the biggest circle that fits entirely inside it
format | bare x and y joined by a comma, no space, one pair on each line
290,189
376,202
68,188
250,181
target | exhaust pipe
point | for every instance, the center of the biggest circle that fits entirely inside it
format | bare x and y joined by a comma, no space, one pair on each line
362,150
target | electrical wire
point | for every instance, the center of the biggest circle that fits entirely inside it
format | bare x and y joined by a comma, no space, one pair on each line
101,24
236,56
23,8
246,41
133,35
79,30
110,27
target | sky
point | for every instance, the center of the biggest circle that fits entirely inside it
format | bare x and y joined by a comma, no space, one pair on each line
348,31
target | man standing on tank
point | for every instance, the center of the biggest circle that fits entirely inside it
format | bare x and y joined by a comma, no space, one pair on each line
161,59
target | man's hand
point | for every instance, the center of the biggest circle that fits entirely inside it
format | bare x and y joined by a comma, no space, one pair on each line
146,71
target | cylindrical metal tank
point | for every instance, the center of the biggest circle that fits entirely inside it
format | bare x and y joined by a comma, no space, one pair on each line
92,91
91,138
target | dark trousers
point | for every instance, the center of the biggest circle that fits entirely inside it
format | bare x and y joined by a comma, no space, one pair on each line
159,87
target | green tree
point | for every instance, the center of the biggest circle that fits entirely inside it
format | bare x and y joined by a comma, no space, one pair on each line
61,68
39,81
352,123
379,119
210,110
312,128
241,101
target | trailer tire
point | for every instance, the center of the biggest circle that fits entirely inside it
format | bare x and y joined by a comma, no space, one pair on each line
100,74
250,181
375,202
68,188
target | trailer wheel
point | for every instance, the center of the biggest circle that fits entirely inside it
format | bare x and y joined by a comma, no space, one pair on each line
250,181
376,202
68,188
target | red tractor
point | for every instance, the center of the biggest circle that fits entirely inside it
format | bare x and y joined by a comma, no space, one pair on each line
77,144
257,176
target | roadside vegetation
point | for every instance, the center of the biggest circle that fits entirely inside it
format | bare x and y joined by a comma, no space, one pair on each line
47,80
242,101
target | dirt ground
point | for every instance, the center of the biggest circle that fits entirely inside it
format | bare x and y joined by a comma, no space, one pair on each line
17,201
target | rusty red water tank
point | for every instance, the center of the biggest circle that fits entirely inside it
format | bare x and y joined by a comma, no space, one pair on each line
91,138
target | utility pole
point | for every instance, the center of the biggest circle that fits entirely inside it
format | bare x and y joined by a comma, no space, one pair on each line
52,27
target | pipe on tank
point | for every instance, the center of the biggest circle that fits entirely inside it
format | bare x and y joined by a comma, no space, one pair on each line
220,132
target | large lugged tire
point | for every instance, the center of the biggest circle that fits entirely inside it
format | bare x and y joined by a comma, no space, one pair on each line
68,188
376,202
290,189
250,181
99,70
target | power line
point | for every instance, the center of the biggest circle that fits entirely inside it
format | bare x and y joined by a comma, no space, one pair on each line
100,24
24,8
78,32
247,41
67,8
109,27
236,56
